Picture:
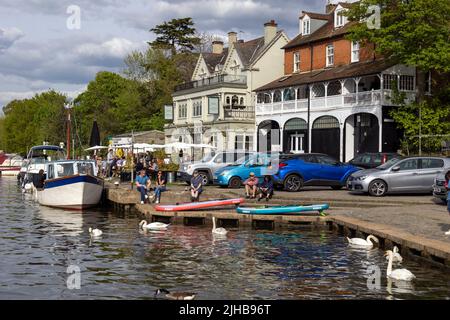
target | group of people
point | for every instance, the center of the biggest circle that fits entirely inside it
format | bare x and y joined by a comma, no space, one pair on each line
253,187
144,186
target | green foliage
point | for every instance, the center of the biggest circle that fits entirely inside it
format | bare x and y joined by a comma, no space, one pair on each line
415,32
29,122
176,35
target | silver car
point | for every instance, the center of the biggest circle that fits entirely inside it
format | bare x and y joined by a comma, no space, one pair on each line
399,175
439,189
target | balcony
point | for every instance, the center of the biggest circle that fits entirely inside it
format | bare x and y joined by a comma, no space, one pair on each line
239,113
213,81
360,99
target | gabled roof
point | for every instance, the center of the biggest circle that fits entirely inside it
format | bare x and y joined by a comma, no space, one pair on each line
327,31
214,59
318,16
342,72
251,50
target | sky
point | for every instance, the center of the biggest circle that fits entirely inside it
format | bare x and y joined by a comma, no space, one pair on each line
46,44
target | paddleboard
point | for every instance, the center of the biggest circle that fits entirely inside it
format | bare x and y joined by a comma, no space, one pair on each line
199,205
282,209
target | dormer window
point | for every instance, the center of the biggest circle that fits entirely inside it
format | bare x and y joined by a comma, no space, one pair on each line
306,26
339,18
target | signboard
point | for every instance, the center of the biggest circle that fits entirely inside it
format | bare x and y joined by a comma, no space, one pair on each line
121,141
168,112
213,105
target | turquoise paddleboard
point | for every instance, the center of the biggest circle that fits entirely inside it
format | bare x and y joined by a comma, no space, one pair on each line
283,209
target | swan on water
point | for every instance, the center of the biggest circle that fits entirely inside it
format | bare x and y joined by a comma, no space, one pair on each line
176,295
95,232
397,257
361,242
153,226
398,274
447,233
218,231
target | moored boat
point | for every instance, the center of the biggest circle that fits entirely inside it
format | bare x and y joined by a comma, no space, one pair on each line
280,210
10,164
199,205
69,184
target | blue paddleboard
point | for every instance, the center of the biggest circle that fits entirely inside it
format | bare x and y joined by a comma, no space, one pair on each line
283,209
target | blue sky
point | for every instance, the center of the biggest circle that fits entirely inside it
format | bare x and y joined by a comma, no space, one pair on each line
38,52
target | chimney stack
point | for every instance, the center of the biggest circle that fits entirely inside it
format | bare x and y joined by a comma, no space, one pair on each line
232,38
270,31
217,47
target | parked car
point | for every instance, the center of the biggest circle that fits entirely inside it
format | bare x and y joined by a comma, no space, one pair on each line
399,175
210,164
368,160
439,188
313,169
258,163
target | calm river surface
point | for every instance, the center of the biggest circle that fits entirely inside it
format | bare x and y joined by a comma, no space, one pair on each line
37,244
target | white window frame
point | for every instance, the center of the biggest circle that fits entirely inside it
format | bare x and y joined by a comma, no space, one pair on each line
330,57
306,26
197,109
407,83
339,19
355,51
297,61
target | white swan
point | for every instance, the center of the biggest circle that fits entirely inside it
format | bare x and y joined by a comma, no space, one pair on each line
397,257
153,226
447,233
361,242
218,231
95,232
398,274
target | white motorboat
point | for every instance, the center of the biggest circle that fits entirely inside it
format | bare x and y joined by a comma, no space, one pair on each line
37,158
69,184
10,164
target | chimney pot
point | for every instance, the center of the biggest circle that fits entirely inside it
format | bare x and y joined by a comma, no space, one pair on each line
232,38
217,47
270,31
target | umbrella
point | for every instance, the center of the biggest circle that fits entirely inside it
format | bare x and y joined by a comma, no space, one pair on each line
95,135
95,148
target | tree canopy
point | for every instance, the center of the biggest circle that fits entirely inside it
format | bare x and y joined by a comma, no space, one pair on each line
178,35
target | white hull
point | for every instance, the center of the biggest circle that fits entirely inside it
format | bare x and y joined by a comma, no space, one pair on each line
78,195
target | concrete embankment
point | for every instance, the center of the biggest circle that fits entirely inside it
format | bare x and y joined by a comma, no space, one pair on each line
414,224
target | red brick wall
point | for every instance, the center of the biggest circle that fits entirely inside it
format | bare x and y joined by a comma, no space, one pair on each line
342,55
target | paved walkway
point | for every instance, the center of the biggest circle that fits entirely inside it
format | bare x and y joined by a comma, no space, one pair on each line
417,214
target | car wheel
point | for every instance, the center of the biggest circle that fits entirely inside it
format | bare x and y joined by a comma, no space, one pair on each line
444,201
234,183
377,188
293,183
205,178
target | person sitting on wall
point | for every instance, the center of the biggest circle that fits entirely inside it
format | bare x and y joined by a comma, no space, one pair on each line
266,188
143,184
160,186
196,186
251,186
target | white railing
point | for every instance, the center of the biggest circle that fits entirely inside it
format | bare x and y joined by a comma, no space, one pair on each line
366,98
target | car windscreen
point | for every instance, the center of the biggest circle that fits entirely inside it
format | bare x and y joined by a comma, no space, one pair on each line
389,163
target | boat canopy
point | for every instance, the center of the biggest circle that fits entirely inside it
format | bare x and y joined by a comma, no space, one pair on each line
59,169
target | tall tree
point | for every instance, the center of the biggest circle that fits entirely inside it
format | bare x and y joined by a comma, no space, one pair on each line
178,35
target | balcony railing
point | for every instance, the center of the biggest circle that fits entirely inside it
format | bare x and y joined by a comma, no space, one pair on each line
222,79
366,98
239,113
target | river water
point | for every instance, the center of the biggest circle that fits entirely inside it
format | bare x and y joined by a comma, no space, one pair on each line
38,244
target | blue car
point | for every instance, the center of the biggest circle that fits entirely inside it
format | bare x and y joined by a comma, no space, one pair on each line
313,169
260,164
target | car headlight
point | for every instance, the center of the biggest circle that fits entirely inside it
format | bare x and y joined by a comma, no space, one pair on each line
222,174
362,178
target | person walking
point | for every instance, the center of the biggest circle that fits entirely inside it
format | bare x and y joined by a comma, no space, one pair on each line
266,188
143,183
196,186
447,186
109,160
160,186
251,186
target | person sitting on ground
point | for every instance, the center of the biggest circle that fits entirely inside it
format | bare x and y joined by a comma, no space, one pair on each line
447,186
251,186
160,186
266,188
196,186
143,184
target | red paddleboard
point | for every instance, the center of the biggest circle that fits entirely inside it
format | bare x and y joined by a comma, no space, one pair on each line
198,205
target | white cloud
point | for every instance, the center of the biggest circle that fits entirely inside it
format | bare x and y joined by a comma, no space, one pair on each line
8,36
116,47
